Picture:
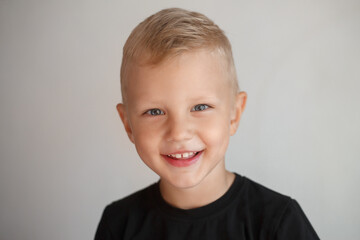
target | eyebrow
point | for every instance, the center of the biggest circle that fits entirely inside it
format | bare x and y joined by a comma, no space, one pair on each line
205,99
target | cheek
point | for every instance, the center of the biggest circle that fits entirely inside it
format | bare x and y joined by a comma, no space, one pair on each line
216,133
145,138
148,136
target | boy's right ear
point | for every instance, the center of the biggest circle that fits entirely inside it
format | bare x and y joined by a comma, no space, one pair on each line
122,112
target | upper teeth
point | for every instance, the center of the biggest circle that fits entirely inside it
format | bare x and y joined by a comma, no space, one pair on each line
182,155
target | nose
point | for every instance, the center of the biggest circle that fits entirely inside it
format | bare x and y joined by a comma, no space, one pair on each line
179,129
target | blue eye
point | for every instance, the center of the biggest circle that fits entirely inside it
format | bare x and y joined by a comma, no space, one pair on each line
200,107
154,112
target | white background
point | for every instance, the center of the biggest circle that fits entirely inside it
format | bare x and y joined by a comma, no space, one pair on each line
64,154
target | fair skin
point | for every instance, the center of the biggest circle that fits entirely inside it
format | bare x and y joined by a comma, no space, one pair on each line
180,115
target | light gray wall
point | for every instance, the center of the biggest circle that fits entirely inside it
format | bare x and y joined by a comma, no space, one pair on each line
64,154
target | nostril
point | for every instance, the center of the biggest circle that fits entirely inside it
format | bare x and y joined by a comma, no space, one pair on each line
178,136
179,131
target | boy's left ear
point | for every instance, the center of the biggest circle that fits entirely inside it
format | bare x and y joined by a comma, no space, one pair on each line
240,103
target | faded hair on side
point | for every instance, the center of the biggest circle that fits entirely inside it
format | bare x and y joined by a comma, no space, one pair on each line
171,32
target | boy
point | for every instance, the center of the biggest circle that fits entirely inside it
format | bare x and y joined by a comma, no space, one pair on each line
181,104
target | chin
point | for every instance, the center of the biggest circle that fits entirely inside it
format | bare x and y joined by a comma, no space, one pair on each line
184,181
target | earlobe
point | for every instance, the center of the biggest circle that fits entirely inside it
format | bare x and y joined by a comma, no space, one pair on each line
240,103
124,118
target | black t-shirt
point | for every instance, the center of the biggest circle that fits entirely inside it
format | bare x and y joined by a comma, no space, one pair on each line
246,211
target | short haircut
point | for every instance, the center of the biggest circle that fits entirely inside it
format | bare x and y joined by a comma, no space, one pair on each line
171,32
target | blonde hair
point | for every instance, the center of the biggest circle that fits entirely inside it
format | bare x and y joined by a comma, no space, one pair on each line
171,32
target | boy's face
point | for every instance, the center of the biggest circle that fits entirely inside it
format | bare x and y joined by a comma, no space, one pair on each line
180,115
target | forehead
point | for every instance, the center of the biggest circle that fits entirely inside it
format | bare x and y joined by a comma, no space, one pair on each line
199,73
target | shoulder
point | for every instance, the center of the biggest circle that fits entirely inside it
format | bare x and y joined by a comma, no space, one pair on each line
124,214
134,202
281,215
259,196
294,224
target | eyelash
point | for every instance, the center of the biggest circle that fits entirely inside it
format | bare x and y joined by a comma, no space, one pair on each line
154,112
196,108
201,106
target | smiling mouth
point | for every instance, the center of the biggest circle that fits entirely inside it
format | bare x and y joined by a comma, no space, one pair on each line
183,159
183,156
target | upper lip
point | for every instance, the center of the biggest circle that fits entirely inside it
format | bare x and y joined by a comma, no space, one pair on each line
181,152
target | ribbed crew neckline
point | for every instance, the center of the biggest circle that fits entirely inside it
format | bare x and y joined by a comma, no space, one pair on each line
206,211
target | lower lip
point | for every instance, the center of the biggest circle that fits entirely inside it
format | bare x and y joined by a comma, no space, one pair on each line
183,162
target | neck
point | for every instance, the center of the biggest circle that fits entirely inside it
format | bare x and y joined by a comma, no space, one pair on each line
211,188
